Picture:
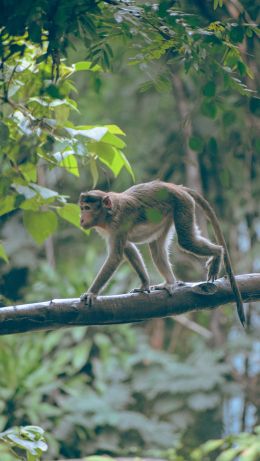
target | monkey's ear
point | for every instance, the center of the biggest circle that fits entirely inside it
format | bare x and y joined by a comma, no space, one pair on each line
107,202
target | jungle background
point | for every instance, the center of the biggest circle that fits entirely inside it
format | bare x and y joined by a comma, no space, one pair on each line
104,94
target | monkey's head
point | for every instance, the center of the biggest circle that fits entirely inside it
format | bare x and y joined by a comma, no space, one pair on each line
95,207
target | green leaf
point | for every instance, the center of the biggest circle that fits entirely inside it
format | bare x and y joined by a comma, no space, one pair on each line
196,143
112,157
40,224
3,254
209,109
26,191
229,455
7,204
29,171
34,32
68,160
209,89
44,192
4,132
254,106
213,146
110,138
237,34
85,65
71,213
127,165
257,145
114,129
229,117
53,91
96,133
212,445
62,114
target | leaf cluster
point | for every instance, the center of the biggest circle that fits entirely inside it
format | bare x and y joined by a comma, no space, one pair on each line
105,391
28,440
35,131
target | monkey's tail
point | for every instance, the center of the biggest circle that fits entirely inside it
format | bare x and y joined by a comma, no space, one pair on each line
202,202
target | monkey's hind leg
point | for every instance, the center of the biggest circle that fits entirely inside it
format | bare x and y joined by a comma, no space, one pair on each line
160,256
213,266
190,240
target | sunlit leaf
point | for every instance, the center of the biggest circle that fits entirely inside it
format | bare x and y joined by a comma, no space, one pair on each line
211,445
7,204
29,171
3,254
71,213
114,129
24,190
229,455
44,191
96,133
112,157
67,159
86,65
110,138
127,165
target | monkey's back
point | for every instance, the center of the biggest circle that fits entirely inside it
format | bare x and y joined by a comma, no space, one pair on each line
157,194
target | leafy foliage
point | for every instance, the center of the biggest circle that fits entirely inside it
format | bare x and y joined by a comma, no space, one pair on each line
36,131
90,391
28,439
244,445
107,390
36,87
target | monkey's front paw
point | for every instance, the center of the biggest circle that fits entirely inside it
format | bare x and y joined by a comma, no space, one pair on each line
169,287
87,299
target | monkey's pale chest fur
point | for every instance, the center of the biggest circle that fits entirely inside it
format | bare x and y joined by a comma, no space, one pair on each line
143,232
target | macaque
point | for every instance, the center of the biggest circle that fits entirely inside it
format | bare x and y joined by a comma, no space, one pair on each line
148,213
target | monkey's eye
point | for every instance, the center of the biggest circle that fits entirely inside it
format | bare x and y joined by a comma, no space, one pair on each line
86,207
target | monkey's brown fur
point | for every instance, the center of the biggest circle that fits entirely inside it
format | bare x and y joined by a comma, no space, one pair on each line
146,213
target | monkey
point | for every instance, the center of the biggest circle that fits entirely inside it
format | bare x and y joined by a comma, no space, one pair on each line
148,213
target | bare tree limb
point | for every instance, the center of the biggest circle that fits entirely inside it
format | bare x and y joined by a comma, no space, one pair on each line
126,308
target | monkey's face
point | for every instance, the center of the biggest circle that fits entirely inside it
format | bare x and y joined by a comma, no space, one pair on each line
92,209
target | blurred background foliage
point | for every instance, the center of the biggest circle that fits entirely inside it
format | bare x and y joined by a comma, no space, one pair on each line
104,93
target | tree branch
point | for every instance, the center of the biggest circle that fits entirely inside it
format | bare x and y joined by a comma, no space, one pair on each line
126,308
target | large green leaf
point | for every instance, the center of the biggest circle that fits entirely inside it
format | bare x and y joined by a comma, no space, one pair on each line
40,224
112,157
110,138
68,160
70,212
7,204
